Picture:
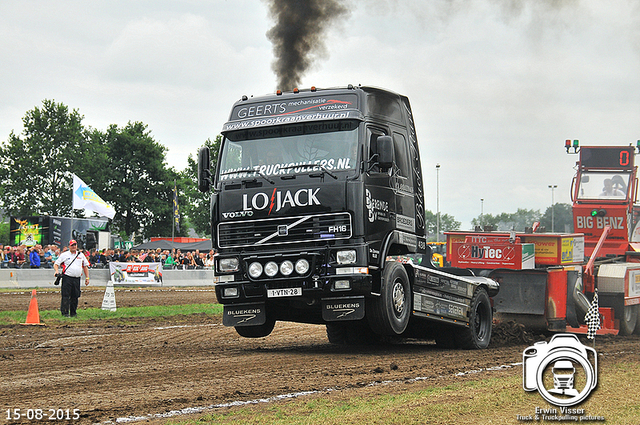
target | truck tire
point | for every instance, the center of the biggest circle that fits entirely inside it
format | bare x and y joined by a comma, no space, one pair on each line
478,334
628,319
390,312
257,331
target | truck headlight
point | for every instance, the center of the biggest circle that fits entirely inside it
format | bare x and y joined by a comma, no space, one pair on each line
255,270
346,257
302,266
227,265
286,268
270,269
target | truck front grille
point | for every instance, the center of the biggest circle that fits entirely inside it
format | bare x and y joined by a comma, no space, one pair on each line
271,231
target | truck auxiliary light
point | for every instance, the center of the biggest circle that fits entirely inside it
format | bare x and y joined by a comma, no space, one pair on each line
342,285
255,269
230,292
270,269
286,268
302,266
598,213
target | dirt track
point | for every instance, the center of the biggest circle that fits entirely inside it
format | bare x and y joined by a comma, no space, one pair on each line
110,370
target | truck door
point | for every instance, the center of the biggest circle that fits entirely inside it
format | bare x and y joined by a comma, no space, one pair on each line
405,210
380,198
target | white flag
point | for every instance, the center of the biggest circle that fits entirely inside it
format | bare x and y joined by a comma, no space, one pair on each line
86,199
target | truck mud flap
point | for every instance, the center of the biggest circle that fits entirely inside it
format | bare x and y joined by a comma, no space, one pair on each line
244,315
343,308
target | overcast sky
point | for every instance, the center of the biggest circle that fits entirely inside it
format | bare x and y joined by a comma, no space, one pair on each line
496,86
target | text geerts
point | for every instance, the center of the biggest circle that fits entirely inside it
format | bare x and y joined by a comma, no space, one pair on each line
589,222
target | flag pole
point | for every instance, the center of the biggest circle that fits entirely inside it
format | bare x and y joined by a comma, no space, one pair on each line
173,213
72,199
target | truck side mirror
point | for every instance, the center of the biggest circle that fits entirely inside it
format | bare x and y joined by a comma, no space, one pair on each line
204,169
385,151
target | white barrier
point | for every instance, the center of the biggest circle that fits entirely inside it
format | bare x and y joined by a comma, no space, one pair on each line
43,278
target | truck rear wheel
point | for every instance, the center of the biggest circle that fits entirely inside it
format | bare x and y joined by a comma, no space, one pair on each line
257,331
478,334
389,313
629,319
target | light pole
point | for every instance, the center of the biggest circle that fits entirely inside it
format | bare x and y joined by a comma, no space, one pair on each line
553,218
481,211
437,202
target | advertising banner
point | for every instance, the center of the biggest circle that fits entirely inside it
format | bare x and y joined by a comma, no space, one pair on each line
136,273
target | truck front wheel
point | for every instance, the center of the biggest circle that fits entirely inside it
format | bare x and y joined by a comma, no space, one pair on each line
389,313
478,334
257,331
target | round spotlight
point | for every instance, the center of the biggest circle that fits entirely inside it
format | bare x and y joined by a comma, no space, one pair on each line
255,270
286,268
270,269
302,266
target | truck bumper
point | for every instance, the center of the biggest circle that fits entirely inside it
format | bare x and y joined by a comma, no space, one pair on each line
330,298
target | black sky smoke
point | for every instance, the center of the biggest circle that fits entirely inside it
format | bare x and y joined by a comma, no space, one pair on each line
298,35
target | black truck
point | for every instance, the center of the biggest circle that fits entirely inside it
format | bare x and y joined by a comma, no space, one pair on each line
317,211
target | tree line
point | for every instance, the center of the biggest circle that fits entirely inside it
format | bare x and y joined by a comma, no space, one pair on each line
127,168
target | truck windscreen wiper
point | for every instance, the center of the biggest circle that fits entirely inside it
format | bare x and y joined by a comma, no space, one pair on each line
250,170
310,164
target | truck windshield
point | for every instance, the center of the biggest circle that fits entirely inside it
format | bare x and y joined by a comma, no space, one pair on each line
603,185
290,149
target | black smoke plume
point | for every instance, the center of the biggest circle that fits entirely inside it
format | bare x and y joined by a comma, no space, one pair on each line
298,35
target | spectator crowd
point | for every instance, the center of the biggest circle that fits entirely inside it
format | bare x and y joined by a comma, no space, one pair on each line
37,256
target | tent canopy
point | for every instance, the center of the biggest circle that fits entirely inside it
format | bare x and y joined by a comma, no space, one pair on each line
165,244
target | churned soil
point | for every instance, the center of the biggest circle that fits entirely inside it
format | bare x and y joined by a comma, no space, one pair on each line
117,371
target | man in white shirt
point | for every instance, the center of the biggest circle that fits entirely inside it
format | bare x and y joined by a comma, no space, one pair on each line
73,264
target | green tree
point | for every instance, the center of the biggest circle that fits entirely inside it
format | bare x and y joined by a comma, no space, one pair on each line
562,218
517,221
138,181
197,207
447,223
36,167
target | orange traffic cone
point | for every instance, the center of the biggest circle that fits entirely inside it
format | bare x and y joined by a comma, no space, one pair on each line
33,316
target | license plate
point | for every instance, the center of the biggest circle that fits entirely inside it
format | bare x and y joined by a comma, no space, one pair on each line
284,292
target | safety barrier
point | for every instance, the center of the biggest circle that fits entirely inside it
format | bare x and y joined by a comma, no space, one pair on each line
43,278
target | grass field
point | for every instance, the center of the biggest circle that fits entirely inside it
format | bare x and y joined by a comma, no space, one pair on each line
15,317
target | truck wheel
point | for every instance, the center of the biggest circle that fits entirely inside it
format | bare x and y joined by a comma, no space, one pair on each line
256,331
629,319
389,313
478,334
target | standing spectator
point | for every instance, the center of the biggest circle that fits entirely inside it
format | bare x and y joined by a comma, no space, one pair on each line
208,263
198,259
5,257
34,257
18,258
169,262
74,263
48,257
